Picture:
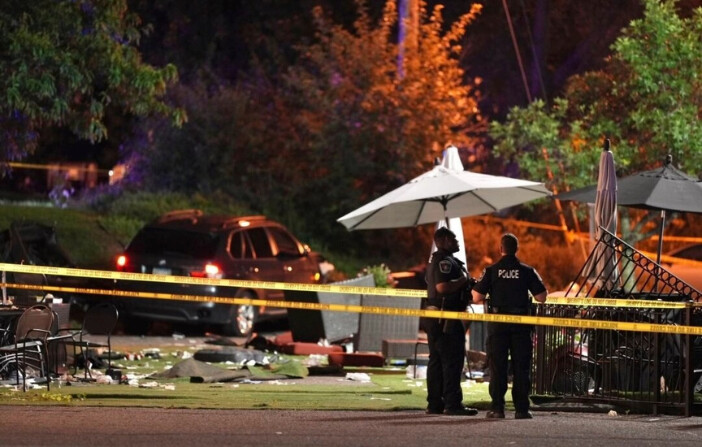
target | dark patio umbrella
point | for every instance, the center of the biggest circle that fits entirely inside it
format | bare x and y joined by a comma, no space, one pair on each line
665,189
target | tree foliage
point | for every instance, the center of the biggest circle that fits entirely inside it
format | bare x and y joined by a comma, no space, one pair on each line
67,63
308,142
647,99
365,128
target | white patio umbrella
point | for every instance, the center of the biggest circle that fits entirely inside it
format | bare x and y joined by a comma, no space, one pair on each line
442,193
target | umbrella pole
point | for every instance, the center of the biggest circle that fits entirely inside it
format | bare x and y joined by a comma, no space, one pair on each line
660,237
660,249
444,203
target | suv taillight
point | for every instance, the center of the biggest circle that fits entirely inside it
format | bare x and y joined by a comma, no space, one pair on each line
210,271
121,262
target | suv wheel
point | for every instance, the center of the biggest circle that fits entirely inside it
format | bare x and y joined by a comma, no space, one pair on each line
242,319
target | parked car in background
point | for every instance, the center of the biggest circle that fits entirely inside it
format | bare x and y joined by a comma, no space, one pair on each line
686,264
189,243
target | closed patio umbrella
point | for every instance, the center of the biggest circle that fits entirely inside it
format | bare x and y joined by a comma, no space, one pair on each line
603,268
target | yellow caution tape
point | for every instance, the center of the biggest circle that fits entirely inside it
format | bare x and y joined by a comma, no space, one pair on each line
496,318
328,288
617,302
170,279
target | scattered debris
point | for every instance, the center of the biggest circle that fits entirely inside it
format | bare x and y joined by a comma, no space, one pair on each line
236,355
357,359
154,353
358,377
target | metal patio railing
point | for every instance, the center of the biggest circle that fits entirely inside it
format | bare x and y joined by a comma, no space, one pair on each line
643,371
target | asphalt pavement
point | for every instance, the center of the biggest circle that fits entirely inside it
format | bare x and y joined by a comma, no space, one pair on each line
107,426
80,426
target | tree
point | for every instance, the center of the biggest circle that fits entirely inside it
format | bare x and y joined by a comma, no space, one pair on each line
362,128
647,99
308,142
68,63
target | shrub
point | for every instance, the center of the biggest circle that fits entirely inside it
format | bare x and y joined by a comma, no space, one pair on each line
123,228
125,212
556,261
381,274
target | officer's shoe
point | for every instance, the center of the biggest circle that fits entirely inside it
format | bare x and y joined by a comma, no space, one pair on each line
523,415
461,411
495,415
433,411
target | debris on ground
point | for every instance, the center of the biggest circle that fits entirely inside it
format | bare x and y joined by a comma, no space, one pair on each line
202,372
358,377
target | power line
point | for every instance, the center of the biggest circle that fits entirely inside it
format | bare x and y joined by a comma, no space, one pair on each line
516,50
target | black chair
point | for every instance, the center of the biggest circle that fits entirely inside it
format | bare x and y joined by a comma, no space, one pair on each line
29,349
100,319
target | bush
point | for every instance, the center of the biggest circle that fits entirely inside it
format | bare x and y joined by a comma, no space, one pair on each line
381,274
123,228
556,261
125,212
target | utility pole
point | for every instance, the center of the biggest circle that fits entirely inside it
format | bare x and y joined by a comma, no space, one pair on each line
408,31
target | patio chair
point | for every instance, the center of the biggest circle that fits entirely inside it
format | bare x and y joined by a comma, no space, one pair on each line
100,319
29,349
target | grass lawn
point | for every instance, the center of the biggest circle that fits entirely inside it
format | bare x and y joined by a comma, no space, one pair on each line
78,232
389,389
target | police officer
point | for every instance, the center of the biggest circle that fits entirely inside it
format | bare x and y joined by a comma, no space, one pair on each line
508,283
447,278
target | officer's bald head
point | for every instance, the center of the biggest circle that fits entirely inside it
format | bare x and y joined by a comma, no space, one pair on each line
509,244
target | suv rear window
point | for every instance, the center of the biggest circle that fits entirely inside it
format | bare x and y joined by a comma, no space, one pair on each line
161,241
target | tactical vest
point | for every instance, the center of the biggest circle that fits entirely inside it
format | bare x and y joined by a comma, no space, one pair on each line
509,284
451,301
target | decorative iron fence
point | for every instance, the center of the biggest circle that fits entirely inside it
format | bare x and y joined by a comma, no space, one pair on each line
638,370
632,369
615,269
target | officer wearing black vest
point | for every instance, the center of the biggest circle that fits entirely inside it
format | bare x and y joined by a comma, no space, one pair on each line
447,279
508,284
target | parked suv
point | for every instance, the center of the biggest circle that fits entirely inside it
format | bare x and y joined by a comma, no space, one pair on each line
188,243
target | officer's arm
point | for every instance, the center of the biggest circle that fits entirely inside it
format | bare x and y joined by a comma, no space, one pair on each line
482,284
541,297
478,298
537,284
454,285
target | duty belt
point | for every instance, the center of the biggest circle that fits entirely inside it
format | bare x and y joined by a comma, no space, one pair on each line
509,310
